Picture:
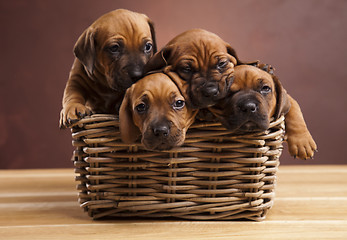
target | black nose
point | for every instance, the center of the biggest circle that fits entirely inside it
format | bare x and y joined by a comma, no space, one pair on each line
135,73
161,130
210,90
249,107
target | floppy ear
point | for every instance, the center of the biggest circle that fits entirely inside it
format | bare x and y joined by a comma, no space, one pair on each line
84,49
232,52
179,82
159,60
151,26
283,103
265,67
182,87
128,130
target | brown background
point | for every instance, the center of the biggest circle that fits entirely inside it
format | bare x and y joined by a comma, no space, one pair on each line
304,40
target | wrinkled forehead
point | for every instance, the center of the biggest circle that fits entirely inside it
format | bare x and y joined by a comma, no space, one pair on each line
123,25
202,52
157,87
250,76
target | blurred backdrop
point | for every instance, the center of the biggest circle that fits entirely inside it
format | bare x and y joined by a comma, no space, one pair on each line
304,40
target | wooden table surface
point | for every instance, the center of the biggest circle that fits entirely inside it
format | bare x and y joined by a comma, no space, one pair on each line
310,203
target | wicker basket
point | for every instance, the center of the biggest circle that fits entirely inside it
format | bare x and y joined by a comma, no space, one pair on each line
214,176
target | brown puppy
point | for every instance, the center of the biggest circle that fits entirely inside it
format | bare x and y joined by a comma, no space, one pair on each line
254,98
110,56
155,108
203,60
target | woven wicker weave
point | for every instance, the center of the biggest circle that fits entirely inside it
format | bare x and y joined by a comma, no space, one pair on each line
214,175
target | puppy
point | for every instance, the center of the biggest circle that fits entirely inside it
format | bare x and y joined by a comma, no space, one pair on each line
254,98
155,108
110,56
203,60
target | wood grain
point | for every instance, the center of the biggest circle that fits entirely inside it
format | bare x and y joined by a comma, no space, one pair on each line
310,203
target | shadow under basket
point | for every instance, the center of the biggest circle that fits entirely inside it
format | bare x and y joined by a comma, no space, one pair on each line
215,175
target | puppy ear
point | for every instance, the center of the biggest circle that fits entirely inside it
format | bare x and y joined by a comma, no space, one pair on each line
128,130
84,49
180,83
283,103
265,67
232,52
159,60
151,26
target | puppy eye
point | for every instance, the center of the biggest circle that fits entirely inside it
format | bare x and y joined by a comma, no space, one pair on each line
141,108
222,64
114,49
179,104
148,47
265,90
186,69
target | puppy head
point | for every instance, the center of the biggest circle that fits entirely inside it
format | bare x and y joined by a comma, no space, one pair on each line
116,47
155,108
254,97
202,59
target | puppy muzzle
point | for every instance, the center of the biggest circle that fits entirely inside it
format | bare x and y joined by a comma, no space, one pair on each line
250,115
161,136
135,72
210,90
205,95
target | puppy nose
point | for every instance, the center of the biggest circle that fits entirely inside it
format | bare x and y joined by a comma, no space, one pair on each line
161,131
249,107
210,90
135,73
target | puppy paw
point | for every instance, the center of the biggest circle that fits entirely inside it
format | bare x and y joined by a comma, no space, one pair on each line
72,113
301,145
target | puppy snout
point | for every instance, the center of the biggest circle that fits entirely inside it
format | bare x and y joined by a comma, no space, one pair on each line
161,130
248,107
135,73
210,90
134,70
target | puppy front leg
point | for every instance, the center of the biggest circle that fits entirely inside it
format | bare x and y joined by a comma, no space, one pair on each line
299,139
73,103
